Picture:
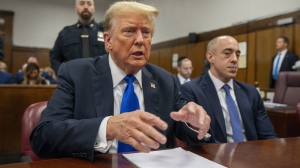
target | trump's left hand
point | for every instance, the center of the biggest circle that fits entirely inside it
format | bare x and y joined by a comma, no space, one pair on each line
195,116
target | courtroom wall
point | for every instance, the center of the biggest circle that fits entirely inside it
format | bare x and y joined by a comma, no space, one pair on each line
37,22
260,36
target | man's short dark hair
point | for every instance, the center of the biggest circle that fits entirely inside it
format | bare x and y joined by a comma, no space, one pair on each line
285,39
179,61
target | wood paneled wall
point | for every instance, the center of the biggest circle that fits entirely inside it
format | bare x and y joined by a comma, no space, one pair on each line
21,54
260,36
14,100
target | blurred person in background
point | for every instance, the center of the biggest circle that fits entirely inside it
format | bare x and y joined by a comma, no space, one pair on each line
32,76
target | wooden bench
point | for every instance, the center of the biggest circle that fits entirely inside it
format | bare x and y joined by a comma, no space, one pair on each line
14,99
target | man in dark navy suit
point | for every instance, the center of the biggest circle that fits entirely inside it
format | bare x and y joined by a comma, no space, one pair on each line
5,77
235,108
83,116
283,61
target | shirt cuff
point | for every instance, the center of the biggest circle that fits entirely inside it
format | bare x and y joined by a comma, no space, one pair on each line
205,138
102,145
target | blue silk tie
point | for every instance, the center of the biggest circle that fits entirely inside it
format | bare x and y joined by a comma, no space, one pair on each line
129,103
235,121
275,75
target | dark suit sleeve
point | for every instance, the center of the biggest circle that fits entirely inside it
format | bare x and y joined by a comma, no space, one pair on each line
59,133
189,96
56,54
187,93
294,59
49,78
185,133
264,127
1,49
271,80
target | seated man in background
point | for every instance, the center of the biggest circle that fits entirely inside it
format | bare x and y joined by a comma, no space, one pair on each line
185,69
117,102
236,110
5,77
32,59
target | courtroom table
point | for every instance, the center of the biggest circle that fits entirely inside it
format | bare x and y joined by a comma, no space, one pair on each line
285,121
278,153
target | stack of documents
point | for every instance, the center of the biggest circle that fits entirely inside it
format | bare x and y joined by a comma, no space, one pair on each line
272,105
175,158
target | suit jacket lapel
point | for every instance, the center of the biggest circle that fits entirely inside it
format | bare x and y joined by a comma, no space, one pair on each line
103,87
284,61
177,81
212,96
151,92
245,111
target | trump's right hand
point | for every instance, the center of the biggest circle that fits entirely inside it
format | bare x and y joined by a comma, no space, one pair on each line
136,129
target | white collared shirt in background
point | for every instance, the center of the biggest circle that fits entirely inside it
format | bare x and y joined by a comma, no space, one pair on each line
182,80
283,53
222,98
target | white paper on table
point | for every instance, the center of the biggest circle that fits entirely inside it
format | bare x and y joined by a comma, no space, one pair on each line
175,158
272,105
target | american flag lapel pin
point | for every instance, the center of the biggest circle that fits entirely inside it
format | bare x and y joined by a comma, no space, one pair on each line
152,85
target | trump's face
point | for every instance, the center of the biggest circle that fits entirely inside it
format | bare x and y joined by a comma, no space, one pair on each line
129,41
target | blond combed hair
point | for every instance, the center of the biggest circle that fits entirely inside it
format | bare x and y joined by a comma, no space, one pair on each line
123,7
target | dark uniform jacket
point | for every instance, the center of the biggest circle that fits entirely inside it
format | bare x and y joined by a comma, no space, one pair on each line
68,45
6,78
1,49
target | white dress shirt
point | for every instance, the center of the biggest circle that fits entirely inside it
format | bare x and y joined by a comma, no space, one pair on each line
283,53
119,84
221,94
182,80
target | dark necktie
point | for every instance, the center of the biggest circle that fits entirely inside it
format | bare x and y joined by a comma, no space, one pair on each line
277,67
235,121
85,42
129,103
